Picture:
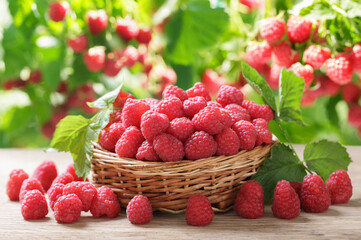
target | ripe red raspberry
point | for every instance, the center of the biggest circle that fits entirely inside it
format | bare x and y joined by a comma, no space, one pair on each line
316,56
354,116
339,186
199,211
152,124
227,142
97,21
112,67
247,134
199,89
71,170
34,205
326,87
139,210
303,71
172,107
127,29
209,119
79,43
264,135
351,93
169,76
128,144
121,98
272,76
212,81
13,186
84,190
94,59
314,194
214,104
144,36
286,203
109,136
283,55
272,29
64,178
54,193
151,102
105,203
260,111
133,111
57,11
168,148
46,173
67,209
200,145
193,105
28,185
339,70
175,91
146,152
297,187
249,202
356,57
259,53
181,128
226,118
228,95
237,113
129,56
298,29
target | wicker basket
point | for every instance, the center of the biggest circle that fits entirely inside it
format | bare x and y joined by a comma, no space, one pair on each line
168,185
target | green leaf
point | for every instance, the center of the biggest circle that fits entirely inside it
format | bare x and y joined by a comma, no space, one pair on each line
282,165
259,85
107,99
291,90
321,10
325,157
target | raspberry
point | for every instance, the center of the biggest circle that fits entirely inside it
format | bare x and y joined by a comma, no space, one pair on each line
112,67
314,194
259,53
13,186
105,203
78,44
84,190
94,59
169,76
64,178
354,116
193,105
108,137
121,99
129,56
46,173
298,29
283,55
139,210
172,107
67,209
175,91
272,76
227,142
209,120
303,71
252,4
307,99
356,57
247,134
168,148
57,11
272,29
260,111
71,170
212,81
151,102
339,70
286,203
127,29
97,21
181,128
34,205
28,185
249,202
237,113
54,193
228,95
351,93
226,118
214,104
297,187
128,144
316,56
339,186
326,86
199,211
200,145
199,89
146,152
153,124
133,111
264,135
144,36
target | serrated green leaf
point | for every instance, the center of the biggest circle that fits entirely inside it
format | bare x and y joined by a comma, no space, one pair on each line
325,157
80,149
107,99
320,10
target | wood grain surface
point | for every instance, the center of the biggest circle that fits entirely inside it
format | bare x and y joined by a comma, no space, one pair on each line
338,222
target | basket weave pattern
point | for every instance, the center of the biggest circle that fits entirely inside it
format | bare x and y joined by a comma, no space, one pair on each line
168,185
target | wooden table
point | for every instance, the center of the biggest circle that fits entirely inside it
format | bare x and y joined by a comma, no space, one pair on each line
338,222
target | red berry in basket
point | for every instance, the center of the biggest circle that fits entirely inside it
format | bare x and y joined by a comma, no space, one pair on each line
34,205
354,116
249,202
264,135
303,71
172,107
209,120
146,152
298,29
168,148
133,111
314,194
67,209
64,178
181,128
127,146
200,145
316,56
212,81
79,43
226,118
151,102
260,111
175,91
297,187
57,11
227,142
199,211
127,29
13,186
129,56
339,186
282,55
84,190
97,21
105,203
115,116
152,124
46,173
237,113
139,210
356,57
193,105
259,53
71,170
94,59
108,137
351,93
339,70
54,193
286,203
144,36
228,95
272,29
247,134
199,89
28,185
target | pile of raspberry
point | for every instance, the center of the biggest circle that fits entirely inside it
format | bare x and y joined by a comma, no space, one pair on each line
186,125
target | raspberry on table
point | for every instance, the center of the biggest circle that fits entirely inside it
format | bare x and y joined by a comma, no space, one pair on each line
227,142
139,210
260,111
67,208
181,128
78,44
264,135
199,211
127,29
28,185
339,70
315,197
249,202
298,29
228,95
200,145
152,124
199,89
64,178
34,205
175,91
297,187
272,29
84,190
97,21
46,173
339,186
71,170
13,186
193,105
144,36
247,134
283,55
172,107
237,113
286,203
127,146
316,56
54,193
210,120
354,116
303,71
356,57
94,59
57,11
351,93
146,152
105,203
133,111
258,53
168,148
